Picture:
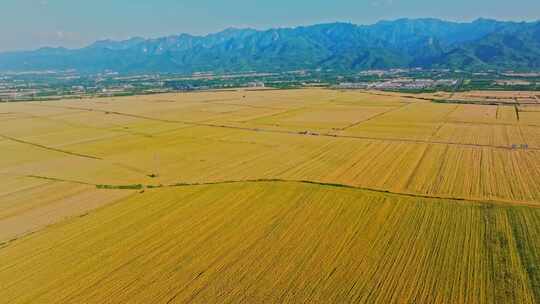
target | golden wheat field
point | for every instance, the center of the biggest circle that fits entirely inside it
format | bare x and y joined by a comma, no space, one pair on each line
269,196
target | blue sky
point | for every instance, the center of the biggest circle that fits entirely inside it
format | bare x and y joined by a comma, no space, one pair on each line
29,24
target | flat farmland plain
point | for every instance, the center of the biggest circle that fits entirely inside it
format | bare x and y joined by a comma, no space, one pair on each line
269,196
279,242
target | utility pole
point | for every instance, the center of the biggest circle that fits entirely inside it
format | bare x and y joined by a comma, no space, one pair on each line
156,164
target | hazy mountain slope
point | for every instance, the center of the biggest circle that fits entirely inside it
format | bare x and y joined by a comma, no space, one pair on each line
341,46
515,47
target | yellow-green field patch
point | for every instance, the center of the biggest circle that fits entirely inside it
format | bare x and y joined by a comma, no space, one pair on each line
279,242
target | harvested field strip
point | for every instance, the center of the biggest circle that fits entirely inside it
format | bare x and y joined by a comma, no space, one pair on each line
48,148
249,243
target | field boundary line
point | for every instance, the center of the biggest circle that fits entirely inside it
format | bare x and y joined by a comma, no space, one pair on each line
49,148
299,181
396,96
54,179
417,166
457,122
338,185
281,112
248,106
444,122
373,117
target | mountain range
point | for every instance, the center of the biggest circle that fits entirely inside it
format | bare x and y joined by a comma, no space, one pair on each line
402,43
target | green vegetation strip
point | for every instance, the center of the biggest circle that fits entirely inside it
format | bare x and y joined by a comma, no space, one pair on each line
271,180
528,254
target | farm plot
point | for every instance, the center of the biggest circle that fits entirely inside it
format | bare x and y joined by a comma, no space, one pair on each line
495,97
531,135
530,118
504,136
26,159
323,118
478,173
509,114
269,196
188,155
413,121
475,114
382,151
37,203
248,242
382,99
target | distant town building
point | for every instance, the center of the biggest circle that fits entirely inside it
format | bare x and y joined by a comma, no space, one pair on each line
399,83
256,84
